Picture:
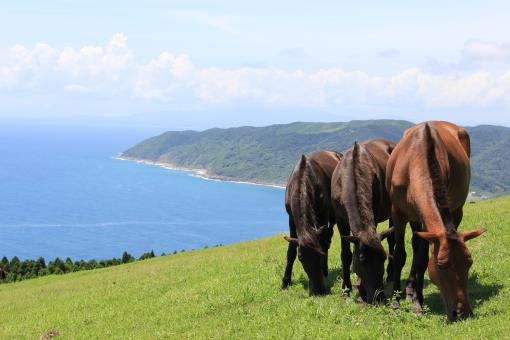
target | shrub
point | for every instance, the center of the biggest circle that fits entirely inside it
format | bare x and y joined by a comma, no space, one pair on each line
16,270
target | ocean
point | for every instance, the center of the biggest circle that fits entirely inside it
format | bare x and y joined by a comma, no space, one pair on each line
63,194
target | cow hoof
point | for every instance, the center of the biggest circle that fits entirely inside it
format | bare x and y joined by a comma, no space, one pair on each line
418,310
410,294
360,301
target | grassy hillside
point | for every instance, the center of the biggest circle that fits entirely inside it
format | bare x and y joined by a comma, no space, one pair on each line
267,154
490,158
233,291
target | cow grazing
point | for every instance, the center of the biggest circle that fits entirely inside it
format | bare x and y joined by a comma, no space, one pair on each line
427,177
311,219
360,201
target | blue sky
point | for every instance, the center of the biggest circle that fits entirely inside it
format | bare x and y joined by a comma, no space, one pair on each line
198,64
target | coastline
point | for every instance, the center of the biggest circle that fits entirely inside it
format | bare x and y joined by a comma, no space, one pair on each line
199,173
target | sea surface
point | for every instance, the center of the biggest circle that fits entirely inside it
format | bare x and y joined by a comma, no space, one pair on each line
63,193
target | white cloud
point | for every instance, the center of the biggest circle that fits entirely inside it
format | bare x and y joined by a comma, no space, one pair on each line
162,76
75,88
96,60
111,71
479,50
118,42
335,88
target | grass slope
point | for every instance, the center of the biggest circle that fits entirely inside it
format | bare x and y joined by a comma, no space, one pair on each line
233,291
258,154
267,154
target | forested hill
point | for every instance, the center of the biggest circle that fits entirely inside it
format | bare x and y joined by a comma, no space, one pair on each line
267,154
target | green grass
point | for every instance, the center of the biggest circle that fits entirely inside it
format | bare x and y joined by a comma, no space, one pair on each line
233,291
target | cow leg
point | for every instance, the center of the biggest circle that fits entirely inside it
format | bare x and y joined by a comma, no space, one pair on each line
391,247
291,255
330,236
414,289
411,280
399,255
346,256
421,266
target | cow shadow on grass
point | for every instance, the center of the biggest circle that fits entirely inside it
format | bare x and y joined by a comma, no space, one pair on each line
478,292
332,279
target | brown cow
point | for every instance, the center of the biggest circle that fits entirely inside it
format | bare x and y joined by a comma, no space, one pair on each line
360,201
311,219
428,177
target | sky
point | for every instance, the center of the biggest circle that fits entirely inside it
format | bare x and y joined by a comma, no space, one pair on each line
201,64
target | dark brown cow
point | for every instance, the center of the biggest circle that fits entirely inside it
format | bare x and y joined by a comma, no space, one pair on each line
428,177
360,201
311,219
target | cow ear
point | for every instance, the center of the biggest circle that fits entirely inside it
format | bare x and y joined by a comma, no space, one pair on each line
386,233
291,240
431,237
350,238
468,235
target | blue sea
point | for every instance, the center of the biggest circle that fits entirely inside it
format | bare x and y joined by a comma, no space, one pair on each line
63,194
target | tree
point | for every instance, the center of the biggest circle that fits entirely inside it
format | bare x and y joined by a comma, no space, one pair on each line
92,264
5,264
28,269
69,265
56,266
146,256
15,265
42,263
80,265
43,272
16,270
126,257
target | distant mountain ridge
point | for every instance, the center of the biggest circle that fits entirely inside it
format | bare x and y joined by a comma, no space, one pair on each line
267,154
